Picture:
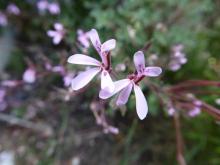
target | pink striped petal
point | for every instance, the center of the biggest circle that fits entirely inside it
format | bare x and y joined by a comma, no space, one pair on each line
108,45
139,61
106,82
94,37
152,71
124,95
84,78
141,103
119,85
82,59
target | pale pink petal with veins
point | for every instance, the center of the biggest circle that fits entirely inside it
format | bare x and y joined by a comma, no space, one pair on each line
141,103
82,59
139,61
152,71
94,37
108,45
124,95
106,82
84,78
119,85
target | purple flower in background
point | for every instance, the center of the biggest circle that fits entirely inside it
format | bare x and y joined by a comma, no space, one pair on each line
3,19
170,109
57,34
67,79
58,69
42,5
178,58
83,38
104,67
125,86
196,110
54,8
120,67
29,76
13,9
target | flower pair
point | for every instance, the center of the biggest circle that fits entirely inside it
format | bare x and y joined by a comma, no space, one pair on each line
108,87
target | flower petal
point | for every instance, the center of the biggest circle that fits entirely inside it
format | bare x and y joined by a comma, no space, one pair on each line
124,95
139,61
57,39
152,71
108,45
141,103
51,33
82,59
94,37
106,82
58,26
84,78
119,85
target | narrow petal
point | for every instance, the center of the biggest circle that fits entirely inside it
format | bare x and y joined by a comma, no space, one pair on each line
152,71
58,26
119,85
94,37
51,33
108,45
84,78
57,39
106,82
139,61
124,95
141,103
82,59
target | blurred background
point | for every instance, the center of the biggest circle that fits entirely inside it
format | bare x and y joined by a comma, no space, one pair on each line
43,122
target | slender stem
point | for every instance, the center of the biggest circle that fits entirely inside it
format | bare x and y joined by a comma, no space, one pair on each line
179,141
194,83
44,129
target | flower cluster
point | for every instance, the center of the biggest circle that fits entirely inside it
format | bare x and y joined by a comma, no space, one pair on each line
178,58
103,67
52,7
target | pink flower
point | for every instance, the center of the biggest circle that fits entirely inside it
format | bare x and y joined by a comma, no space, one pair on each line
13,9
196,110
29,76
83,38
104,67
3,19
57,34
125,86
42,5
54,8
